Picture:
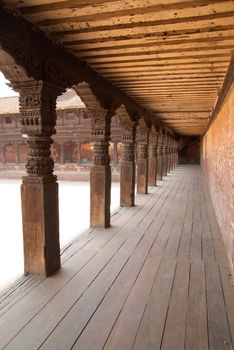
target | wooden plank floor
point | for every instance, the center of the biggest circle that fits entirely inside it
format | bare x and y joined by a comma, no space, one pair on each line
157,279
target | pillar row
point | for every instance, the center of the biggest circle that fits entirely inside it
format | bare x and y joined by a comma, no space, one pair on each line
39,189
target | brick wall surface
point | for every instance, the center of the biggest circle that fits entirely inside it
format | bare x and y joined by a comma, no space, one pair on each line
217,158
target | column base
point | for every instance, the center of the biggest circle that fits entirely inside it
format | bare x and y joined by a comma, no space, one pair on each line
40,227
100,196
127,184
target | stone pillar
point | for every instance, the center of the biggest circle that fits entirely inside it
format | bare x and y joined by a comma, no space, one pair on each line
17,153
115,153
39,189
100,174
78,152
159,156
142,157
128,166
152,173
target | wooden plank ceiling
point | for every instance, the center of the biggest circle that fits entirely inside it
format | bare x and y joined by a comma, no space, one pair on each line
170,56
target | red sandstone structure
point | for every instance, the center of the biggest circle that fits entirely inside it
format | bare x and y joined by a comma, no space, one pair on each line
158,78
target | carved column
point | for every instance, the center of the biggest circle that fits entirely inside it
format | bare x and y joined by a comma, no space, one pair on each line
169,155
142,157
159,156
164,155
173,154
39,189
100,174
128,166
152,173
176,154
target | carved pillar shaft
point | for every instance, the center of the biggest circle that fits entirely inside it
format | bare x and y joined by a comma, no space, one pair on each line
152,173
159,157
128,167
100,174
164,156
169,164
39,189
142,157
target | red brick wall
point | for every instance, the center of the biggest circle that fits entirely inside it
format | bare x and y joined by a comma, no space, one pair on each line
217,158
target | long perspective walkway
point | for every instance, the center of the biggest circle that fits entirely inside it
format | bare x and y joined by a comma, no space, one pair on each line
157,279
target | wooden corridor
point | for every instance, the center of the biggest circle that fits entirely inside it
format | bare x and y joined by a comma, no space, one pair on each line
157,279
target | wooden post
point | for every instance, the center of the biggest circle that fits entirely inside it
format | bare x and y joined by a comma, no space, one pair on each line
159,156
165,154
39,189
100,174
142,157
128,166
152,173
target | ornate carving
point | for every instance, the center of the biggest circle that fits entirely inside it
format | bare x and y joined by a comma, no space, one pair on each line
142,151
128,152
160,145
100,153
38,118
100,125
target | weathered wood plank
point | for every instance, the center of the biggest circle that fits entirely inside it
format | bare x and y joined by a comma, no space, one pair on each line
151,328
174,333
218,327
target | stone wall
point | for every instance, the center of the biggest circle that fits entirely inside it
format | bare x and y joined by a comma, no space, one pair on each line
217,158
